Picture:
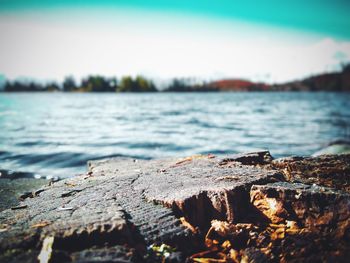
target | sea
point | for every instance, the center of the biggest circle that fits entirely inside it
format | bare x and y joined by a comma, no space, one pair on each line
55,134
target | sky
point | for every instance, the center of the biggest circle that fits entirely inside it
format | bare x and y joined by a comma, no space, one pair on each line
271,41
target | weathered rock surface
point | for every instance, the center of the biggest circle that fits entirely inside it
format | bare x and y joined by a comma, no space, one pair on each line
85,215
310,223
327,170
12,189
203,189
122,206
324,214
315,207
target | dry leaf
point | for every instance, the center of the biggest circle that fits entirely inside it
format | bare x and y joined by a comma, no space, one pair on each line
41,224
188,225
70,184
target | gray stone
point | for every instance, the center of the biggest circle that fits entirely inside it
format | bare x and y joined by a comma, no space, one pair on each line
121,207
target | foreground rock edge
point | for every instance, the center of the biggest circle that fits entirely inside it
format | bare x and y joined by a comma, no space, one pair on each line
114,213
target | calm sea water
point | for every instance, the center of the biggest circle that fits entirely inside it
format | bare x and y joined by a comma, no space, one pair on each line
55,134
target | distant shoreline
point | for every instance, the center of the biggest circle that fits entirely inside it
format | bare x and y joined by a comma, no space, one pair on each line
178,92
338,82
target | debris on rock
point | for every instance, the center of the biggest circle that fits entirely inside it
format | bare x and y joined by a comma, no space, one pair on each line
254,158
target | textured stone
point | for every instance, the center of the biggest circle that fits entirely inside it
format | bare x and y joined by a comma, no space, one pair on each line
203,189
326,170
254,158
120,207
86,214
314,207
12,189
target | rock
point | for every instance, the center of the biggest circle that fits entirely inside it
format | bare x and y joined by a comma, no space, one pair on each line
254,158
11,190
314,207
87,213
327,170
121,208
203,189
118,254
320,216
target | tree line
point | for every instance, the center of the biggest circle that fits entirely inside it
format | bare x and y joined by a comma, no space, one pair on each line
337,81
97,83
89,84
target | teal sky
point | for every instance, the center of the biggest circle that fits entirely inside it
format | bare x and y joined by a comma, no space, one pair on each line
329,17
270,40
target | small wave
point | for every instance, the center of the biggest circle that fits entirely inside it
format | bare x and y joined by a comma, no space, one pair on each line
172,113
141,157
209,125
16,129
172,147
169,132
37,143
2,153
260,110
199,123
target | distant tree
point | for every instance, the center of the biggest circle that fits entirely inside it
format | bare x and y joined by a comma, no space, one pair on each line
139,84
8,86
69,84
96,84
178,85
126,84
144,85
53,86
33,86
23,86
189,85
